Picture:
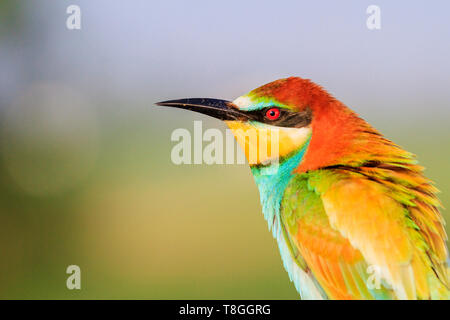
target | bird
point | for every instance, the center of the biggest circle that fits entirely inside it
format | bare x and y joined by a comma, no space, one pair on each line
352,212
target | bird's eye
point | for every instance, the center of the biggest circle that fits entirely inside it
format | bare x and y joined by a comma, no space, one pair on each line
273,113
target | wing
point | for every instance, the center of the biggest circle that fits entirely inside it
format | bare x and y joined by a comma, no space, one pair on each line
339,268
393,226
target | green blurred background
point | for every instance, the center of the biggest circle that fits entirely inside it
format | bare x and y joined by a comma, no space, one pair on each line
85,170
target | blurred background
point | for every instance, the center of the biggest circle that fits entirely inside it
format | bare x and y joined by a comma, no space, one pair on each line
85,170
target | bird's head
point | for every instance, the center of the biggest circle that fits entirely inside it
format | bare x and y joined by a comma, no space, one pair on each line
299,113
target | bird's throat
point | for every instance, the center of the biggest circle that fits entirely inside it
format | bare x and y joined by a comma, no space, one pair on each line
272,182
263,144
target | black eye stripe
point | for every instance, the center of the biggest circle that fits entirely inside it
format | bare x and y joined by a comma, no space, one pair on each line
287,117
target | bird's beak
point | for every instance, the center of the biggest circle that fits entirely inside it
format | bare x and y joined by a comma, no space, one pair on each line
219,109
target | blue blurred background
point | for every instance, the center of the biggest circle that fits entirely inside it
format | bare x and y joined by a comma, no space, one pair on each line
85,170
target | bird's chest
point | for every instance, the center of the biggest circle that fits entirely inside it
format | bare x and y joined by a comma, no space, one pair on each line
272,183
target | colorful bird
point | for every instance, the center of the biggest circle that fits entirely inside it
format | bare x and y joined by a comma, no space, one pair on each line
352,213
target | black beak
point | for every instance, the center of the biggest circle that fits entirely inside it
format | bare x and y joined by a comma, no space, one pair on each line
216,108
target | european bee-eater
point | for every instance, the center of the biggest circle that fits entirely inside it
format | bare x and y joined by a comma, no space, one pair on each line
352,212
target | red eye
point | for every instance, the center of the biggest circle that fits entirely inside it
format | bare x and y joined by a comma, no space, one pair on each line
273,113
